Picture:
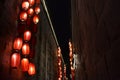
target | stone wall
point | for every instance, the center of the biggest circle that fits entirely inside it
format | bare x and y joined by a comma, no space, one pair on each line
96,38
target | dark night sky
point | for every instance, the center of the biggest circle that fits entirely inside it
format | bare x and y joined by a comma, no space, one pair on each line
60,15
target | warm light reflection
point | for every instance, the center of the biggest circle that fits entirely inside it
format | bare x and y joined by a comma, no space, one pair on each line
31,2
35,19
59,50
25,64
27,35
23,16
37,10
17,43
59,79
15,60
25,5
30,11
25,49
31,70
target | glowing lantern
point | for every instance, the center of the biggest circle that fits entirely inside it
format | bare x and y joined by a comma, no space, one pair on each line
31,70
25,64
23,16
15,60
25,49
27,35
17,43
25,5
59,79
31,2
35,19
30,11
37,10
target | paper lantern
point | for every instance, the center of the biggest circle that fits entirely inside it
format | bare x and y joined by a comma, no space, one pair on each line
23,16
27,35
25,49
15,60
25,5
37,10
35,19
17,43
25,64
31,70
31,2
30,11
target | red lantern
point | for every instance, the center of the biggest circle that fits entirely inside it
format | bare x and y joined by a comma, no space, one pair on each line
17,43
31,70
23,16
37,10
15,60
27,35
31,2
35,19
25,64
25,49
30,11
59,78
25,5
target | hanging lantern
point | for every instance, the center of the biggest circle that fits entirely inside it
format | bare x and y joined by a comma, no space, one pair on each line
37,10
23,16
15,60
30,11
25,49
25,5
25,64
71,54
27,35
58,55
17,43
59,62
59,79
35,19
31,2
31,70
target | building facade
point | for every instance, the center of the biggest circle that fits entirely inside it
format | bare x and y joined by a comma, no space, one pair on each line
96,39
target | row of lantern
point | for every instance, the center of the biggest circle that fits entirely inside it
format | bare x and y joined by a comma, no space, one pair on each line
71,60
59,64
28,11
65,78
21,53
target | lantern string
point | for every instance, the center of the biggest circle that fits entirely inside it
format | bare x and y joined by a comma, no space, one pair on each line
27,20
